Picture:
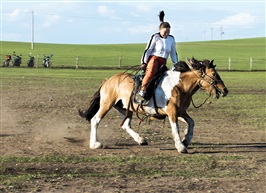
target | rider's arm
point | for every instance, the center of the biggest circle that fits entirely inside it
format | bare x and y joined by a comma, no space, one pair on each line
150,46
173,52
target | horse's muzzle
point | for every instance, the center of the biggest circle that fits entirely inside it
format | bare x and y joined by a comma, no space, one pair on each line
219,92
225,92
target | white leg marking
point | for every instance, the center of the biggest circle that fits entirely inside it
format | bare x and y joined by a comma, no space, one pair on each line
94,144
175,132
132,133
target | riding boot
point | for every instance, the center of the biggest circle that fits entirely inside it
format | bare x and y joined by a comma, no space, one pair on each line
140,96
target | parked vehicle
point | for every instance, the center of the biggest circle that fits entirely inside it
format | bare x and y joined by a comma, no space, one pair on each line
31,61
8,59
46,61
16,59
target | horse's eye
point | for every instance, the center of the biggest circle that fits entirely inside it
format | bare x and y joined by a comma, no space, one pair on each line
213,74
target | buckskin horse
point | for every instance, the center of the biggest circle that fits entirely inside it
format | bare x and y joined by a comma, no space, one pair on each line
171,99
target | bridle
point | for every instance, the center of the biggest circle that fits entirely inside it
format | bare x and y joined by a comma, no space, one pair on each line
211,81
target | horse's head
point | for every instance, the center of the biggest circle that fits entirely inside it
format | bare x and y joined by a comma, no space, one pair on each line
209,78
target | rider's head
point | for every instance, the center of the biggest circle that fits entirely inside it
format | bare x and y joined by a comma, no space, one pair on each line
164,27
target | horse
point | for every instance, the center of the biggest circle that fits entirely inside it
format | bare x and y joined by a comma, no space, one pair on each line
171,99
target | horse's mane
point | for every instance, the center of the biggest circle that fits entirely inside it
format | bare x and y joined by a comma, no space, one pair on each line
208,64
182,66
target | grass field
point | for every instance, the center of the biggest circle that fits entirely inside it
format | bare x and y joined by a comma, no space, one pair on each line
239,51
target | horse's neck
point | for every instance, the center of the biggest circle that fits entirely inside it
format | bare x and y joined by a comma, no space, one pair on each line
189,82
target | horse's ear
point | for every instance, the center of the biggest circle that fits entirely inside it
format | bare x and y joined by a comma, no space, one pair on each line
211,64
189,63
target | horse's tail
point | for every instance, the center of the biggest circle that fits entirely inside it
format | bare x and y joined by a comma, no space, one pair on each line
93,107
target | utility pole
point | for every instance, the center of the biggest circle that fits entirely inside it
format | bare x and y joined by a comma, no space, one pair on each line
212,32
32,30
222,32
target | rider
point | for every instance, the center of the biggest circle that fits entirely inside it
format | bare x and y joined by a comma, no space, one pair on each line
8,57
160,46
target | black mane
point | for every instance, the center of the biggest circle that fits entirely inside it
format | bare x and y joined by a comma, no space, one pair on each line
208,64
182,66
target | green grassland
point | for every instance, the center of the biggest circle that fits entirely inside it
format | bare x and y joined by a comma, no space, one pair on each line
122,55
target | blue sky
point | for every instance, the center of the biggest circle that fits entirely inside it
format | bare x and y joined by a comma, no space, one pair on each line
122,22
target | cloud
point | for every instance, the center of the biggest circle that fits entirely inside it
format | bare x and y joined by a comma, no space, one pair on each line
142,29
240,19
143,8
14,14
51,21
17,15
70,20
105,11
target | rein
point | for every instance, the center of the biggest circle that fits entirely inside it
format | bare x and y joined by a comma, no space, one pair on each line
200,85
130,105
201,103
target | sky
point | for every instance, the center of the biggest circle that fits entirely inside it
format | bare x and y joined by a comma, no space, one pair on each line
126,22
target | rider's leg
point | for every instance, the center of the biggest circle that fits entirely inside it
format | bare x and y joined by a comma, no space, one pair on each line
151,70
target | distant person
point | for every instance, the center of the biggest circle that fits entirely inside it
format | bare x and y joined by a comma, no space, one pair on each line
8,57
160,46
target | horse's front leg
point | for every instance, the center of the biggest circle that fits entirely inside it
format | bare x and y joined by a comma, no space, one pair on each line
181,148
188,134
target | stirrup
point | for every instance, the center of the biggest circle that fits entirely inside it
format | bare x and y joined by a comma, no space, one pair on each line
140,96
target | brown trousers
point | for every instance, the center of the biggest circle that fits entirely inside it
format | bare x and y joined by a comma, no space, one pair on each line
154,64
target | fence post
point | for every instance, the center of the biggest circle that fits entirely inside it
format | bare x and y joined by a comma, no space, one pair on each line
229,64
77,62
250,64
38,59
120,60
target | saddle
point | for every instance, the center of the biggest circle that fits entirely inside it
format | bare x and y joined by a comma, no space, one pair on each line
150,87
149,93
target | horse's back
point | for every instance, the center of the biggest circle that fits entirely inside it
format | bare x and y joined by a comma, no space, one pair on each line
119,86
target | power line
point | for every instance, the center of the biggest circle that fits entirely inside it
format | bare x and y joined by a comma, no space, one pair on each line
180,20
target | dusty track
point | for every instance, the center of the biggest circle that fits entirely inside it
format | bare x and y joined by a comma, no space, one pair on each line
43,121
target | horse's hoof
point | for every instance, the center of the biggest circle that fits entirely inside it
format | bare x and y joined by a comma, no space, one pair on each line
184,151
143,142
181,148
97,145
185,143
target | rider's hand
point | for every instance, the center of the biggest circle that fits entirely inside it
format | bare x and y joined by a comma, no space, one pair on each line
143,66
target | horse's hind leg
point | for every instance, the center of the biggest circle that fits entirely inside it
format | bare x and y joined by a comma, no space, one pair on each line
127,126
95,121
94,144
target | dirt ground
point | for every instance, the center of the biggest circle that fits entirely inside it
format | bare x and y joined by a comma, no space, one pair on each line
43,121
